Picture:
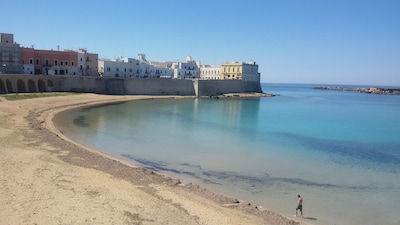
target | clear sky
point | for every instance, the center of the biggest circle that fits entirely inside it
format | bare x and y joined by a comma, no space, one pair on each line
292,41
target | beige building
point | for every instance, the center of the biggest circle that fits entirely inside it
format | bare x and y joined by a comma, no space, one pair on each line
240,71
87,63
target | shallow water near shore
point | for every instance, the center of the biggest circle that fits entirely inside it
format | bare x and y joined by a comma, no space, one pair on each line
339,150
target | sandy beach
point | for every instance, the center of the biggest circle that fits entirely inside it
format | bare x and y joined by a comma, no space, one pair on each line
48,179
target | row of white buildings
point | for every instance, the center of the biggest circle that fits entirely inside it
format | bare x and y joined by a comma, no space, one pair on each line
189,69
17,59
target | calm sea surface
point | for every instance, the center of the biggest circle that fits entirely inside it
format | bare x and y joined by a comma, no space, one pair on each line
339,150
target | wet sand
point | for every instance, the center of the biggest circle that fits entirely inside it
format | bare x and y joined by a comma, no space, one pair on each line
48,179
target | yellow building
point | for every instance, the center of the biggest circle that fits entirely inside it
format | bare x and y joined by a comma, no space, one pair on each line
240,71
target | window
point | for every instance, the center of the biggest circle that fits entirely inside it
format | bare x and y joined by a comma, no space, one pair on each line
47,62
108,69
37,61
81,67
66,63
72,63
66,71
87,66
55,62
30,61
87,59
61,63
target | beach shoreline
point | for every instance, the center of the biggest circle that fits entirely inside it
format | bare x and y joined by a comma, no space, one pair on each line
50,178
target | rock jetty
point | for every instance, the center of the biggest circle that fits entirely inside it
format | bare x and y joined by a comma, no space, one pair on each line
368,90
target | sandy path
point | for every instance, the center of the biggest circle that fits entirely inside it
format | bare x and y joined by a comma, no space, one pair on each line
47,179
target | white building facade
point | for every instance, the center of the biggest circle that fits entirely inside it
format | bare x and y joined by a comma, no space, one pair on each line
163,69
28,69
164,72
210,72
189,69
121,67
146,70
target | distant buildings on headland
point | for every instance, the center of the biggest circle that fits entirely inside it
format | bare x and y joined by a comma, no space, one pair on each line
15,59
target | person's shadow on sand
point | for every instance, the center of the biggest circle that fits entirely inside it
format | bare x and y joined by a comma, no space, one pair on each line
309,218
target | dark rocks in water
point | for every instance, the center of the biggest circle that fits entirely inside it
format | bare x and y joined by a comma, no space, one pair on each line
371,90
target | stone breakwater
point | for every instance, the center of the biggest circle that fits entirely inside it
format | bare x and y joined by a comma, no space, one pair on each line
370,90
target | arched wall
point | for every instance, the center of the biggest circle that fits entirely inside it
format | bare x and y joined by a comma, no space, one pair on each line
21,88
3,89
41,86
22,83
10,88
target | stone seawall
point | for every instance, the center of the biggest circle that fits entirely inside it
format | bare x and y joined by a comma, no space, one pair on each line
219,87
17,83
150,86
82,84
139,86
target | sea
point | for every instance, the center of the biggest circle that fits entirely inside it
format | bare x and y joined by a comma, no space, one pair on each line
339,150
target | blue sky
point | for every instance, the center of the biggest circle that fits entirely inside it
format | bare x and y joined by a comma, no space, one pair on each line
292,41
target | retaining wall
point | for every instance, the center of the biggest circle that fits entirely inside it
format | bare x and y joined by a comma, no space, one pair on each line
138,86
82,84
18,83
219,87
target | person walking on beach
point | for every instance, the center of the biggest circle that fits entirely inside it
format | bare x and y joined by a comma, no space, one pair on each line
299,205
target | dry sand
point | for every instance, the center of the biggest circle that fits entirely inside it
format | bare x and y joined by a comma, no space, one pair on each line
48,179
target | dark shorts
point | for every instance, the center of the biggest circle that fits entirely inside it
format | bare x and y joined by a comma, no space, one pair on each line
299,207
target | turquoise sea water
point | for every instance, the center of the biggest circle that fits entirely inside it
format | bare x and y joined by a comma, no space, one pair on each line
339,150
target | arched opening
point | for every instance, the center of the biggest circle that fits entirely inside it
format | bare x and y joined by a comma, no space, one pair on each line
21,86
2,87
31,86
9,86
41,86
50,86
